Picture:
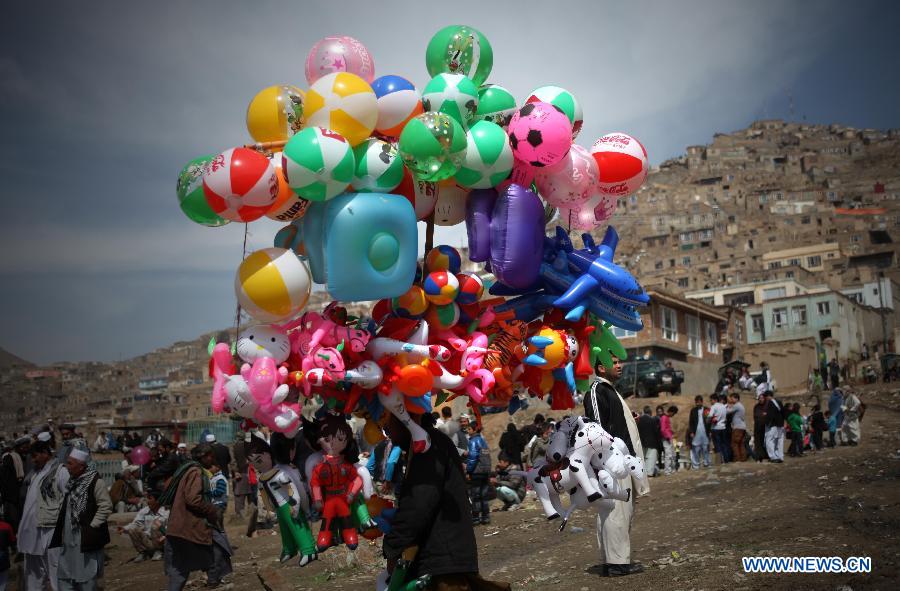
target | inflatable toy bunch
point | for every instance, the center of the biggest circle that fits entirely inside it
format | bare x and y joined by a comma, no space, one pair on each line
350,164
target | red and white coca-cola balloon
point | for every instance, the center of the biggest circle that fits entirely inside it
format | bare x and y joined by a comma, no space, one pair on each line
623,164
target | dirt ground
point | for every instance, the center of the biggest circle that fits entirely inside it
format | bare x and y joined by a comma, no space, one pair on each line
690,532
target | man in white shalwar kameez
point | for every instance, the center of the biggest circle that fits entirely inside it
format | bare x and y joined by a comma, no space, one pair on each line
45,487
852,407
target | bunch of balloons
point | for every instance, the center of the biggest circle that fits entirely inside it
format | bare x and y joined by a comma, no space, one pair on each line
351,163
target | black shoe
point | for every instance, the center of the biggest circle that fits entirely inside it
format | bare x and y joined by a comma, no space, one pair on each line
621,570
777,461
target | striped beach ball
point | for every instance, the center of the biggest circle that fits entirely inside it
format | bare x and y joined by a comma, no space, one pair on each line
623,164
443,257
562,98
345,103
441,287
442,317
275,113
453,94
398,102
240,185
471,288
379,168
272,284
318,164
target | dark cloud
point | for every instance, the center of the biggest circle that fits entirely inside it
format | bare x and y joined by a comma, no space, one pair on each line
103,102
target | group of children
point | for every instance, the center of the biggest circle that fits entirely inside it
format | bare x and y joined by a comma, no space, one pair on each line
808,432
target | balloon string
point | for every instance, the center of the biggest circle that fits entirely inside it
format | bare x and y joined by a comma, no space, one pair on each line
237,312
569,229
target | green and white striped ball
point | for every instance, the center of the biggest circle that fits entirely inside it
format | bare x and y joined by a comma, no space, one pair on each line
453,94
562,98
495,104
379,168
489,157
318,163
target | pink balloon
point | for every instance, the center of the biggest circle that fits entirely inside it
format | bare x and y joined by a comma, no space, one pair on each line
590,215
140,455
540,134
339,54
569,182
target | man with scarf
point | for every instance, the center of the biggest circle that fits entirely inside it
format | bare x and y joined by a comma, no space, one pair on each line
193,521
81,527
71,439
45,487
606,406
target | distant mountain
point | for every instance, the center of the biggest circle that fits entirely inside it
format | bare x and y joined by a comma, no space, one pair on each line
8,360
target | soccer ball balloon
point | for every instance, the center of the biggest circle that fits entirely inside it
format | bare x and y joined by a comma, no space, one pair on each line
453,94
379,168
563,99
318,164
540,134
623,164
240,185
489,158
398,102
345,103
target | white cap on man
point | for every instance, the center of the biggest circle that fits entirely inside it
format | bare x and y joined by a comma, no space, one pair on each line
210,438
182,445
79,455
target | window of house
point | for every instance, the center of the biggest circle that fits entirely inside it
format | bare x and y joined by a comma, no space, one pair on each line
823,308
814,261
774,292
795,262
779,318
682,282
693,336
686,261
621,333
789,275
840,309
739,331
669,324
712,338
775,265
658,265
757,323
798,315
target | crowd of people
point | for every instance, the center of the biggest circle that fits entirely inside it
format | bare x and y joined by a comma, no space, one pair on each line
56,507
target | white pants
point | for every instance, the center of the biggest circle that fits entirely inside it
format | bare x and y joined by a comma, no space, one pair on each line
614,528
775,442
40,570
850,430
668,456
650,457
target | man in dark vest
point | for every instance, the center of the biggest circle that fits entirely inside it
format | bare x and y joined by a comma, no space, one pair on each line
81,528
604,405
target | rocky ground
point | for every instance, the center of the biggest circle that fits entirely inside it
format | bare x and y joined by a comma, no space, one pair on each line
690,532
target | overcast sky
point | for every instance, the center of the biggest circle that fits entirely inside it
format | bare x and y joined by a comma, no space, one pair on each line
104,102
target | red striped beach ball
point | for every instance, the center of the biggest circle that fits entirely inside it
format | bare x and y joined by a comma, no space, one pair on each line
240,185
623,164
